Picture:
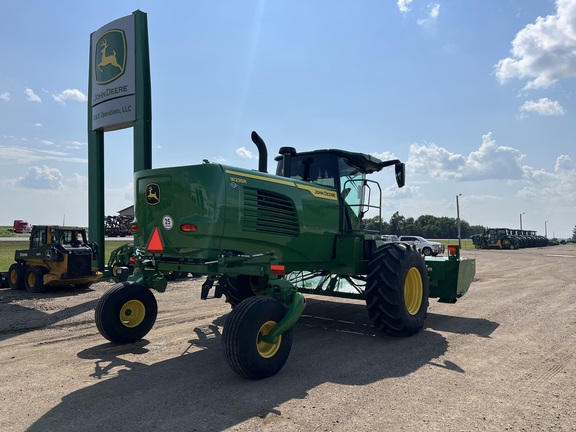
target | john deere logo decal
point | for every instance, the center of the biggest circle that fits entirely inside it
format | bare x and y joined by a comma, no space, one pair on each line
110,55
152,193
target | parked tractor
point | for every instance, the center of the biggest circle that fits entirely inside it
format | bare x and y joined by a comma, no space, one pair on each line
506,238
57,255
264,240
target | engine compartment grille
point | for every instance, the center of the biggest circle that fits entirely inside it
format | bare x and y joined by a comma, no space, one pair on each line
268,212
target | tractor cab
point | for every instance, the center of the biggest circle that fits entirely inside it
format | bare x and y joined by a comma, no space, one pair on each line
346,172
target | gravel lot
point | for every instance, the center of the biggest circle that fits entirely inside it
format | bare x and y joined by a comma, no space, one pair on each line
501,359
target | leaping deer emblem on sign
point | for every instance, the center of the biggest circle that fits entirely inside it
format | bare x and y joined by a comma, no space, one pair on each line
108,59
110,56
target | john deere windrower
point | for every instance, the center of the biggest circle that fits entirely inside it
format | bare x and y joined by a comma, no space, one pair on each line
264,240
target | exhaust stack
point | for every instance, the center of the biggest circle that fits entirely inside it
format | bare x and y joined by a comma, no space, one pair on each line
262,152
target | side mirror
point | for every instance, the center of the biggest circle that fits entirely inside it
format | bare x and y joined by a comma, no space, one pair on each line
400,169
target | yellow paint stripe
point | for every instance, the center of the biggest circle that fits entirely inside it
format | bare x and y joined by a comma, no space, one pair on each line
315,191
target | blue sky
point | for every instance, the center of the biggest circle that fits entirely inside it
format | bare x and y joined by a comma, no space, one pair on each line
476,96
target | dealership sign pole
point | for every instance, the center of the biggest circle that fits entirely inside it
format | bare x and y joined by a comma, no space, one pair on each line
119,97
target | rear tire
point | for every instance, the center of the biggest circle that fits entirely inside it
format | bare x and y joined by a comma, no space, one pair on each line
237,289
16,275
126,312
397,290
34,279
245,353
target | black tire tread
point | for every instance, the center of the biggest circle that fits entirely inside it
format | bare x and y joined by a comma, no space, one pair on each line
20,270
39,273
385,290
233,342
106,317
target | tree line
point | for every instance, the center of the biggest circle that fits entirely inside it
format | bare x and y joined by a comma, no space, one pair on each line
427,226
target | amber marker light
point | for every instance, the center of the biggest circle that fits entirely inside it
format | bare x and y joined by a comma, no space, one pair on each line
277,269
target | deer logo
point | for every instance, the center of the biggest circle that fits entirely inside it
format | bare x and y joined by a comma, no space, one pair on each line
108,59
152,194
110,56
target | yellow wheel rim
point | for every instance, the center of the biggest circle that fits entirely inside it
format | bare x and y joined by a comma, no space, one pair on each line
267,349
13,277
31,279
413,291
132,313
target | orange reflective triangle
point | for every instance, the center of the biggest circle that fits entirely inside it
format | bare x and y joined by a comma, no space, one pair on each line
155,244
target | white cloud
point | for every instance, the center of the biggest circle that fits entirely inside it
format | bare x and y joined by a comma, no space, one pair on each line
489,162
10,155
558,186
494,162
5,96
70,94
545,51
78,180
543,106
243,152
404,5
384,156
564,164
433,12
42,177
437,162
76,145
31,96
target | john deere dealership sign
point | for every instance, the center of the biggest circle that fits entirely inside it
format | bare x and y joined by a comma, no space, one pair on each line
112,75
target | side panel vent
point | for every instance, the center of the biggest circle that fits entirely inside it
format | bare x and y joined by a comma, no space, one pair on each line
270,213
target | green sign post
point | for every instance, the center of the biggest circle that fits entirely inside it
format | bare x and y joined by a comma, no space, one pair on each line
119,97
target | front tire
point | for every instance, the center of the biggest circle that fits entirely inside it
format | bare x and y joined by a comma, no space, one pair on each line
246,353
397,290
126,312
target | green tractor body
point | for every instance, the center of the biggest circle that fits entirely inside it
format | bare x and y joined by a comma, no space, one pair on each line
264,239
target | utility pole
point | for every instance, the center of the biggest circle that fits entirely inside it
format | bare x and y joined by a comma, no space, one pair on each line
458,220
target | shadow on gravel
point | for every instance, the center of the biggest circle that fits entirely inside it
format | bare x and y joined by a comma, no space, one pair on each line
333,343
461,325
18,319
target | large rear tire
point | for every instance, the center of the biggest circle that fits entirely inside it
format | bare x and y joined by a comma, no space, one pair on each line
16,274
126,312
238,288
245,351
397,290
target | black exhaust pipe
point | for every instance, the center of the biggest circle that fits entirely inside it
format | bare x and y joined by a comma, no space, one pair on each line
262,152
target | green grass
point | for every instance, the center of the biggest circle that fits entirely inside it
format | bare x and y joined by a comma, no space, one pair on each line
5,233
466,243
